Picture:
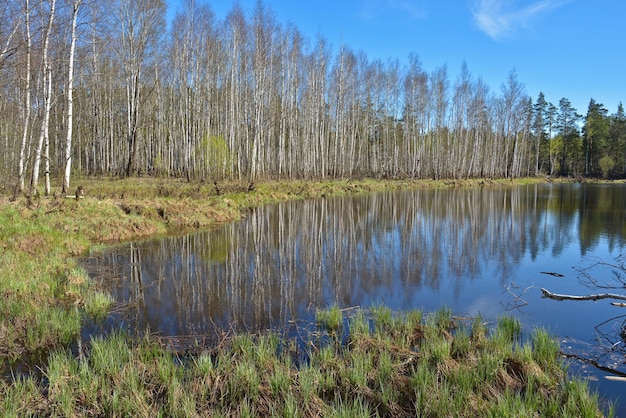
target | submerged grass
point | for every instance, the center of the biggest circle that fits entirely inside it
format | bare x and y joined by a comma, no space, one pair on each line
388,365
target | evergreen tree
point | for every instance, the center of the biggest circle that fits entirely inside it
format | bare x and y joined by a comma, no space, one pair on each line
617,139
540,124
566,124
595,140
551,119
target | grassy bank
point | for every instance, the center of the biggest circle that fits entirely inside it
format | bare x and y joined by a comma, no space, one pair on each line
45,298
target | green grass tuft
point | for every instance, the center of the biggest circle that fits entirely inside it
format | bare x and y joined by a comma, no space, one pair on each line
331,319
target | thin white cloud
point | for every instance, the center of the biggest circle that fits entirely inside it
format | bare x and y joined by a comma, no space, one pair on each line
374,9
502,19
413,8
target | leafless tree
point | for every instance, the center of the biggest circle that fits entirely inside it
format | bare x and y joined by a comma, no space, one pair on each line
416,115
27,97
139,25
240,98
439,138
70,99
44,137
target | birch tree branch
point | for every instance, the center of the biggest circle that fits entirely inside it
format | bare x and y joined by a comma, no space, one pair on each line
558,296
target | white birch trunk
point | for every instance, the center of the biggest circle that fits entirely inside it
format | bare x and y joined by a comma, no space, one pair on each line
70,102
43,135
27,102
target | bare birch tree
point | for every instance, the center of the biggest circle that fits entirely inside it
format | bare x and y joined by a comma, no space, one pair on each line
264,27
10,20
439,137
193,92
47,97
70,100
237,40
461,108
27,99
416,115
140,25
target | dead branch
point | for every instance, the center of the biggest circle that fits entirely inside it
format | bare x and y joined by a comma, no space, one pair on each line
518,302
615,269
557,296
551,273
596,364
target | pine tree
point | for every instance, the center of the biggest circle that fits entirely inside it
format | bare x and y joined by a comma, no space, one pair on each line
617,139
595,139
540,124
566,124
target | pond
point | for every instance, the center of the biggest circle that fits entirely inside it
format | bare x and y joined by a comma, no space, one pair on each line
478,251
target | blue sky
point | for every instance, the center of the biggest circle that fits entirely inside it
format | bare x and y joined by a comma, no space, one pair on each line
566,48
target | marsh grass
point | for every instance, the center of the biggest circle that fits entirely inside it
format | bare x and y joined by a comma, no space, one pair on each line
97,305
368,373
330,319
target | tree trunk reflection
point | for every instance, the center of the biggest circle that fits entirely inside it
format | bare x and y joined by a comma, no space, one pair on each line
403,249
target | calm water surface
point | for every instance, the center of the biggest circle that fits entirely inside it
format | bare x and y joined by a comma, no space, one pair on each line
477,251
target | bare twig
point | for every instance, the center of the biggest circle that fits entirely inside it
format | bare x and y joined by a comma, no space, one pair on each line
518,302
616,269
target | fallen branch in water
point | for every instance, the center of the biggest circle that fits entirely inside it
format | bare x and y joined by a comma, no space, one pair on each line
615,374
551,273
558,296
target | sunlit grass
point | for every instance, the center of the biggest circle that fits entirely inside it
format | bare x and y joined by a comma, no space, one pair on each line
97,305
21,395
330,319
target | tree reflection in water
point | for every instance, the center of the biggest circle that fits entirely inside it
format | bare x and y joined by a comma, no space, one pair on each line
476,251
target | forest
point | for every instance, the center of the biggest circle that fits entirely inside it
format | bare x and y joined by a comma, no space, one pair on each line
118,88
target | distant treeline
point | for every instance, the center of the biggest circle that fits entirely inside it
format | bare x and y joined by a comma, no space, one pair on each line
248,97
